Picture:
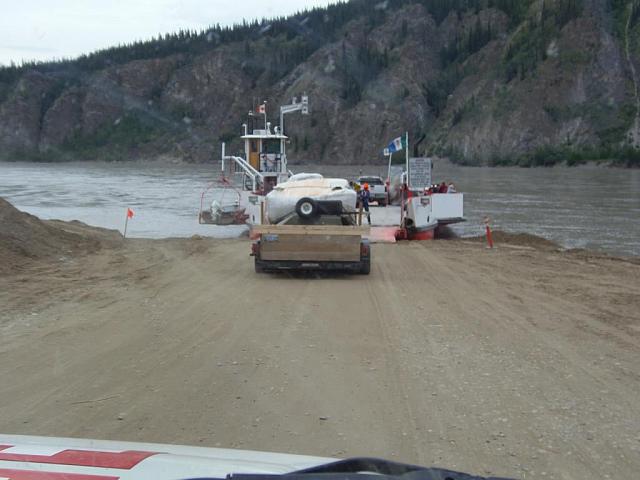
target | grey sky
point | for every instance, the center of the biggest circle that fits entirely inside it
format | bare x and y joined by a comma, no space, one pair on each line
46,29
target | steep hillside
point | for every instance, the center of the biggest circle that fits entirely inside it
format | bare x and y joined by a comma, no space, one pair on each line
486,82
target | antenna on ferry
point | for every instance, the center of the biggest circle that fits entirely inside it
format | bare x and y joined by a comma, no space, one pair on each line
263,109
295,106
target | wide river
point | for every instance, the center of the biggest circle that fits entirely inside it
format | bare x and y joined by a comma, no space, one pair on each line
585,207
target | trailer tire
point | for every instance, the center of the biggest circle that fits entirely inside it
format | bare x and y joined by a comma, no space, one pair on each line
258,266
365,266
307,208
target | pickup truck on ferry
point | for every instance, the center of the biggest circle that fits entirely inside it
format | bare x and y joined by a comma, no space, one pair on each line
377,188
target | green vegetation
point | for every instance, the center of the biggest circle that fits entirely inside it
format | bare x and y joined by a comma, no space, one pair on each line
273,47
115,140
463,47
453,56
441,9
50,96
634,29
112,142
504,101
552,155
5,90
548,156
356,72
268,50
310,29
437,91
274,57
572,58
529,45
463,111
227,137
623,11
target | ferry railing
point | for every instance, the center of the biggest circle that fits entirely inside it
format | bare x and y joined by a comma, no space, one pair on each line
246,169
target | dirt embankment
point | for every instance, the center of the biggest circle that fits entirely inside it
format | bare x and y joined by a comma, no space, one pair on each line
24,238
521,361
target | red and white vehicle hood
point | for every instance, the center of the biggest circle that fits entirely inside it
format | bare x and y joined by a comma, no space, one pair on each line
45,458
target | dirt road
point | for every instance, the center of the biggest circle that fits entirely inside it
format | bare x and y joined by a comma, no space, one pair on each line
522,361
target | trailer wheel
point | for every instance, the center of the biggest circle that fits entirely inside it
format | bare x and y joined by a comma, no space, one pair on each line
258,266
307,208
365,266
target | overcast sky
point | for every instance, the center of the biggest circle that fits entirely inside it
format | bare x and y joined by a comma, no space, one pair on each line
46,29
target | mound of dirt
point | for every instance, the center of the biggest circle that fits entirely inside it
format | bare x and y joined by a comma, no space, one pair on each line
520,239
24,237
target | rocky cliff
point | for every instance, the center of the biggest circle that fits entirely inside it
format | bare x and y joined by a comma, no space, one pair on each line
484,81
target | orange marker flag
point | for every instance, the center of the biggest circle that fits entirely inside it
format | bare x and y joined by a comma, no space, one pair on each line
126,221
487,221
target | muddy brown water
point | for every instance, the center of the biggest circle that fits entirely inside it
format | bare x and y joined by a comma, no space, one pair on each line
586,207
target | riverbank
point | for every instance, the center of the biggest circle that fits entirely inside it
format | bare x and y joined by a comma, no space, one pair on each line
558,155
629,160
513,361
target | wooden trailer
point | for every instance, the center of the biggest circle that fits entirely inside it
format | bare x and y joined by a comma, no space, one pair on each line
311,247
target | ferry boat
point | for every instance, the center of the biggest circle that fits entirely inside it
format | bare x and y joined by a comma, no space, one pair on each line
247,182
257,187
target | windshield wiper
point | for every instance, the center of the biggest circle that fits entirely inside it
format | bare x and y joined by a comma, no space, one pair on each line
357,468
364,469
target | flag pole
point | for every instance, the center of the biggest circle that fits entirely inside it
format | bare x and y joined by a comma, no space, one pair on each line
389,178
406,150
265,114
126,222
128,215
